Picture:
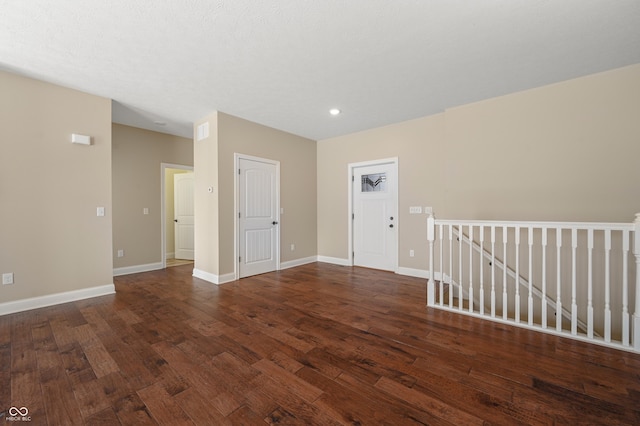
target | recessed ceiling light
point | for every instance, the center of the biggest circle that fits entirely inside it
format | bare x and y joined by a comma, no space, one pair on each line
334,111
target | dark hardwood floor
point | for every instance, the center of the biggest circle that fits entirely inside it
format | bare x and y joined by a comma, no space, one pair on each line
316,344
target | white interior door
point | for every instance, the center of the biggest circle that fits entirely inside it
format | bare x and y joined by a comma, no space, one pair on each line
258,217
375,221
183,215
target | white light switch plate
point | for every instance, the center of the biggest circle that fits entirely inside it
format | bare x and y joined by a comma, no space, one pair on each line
415,210
100,211
7,278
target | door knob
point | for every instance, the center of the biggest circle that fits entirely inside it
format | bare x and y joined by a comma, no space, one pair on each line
391,226
175,220
274,223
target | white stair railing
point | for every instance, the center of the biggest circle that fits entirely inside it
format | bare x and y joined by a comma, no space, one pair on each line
574,276
515,275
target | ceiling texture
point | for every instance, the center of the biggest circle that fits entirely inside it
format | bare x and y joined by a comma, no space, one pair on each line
285,63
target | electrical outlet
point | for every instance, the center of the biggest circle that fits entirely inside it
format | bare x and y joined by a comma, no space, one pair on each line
145,210
411,253
120,253
7,278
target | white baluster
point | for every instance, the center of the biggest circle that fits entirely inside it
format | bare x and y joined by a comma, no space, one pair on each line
544,277
607,285
430,238
517,282
504,274
625,288
460,280
530,296
450,227
441,269
559,279
590,284
481,270
636,312
493,271
471,268
574,303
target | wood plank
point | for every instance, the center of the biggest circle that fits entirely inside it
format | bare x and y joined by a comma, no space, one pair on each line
60,403
131,411
315,344
205,381
245,416
199,409
301,411
351,405
164,409
428,403
90,396
106,417
296,385
393,403
5,376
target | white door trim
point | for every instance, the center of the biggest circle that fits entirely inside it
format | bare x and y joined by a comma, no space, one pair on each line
163,201
236,207
351,186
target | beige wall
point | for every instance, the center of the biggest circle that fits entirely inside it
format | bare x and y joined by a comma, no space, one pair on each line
205,174
50,236
567,151
297,157
137,176
418,146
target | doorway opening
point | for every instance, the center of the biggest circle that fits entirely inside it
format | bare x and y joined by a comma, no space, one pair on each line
170,213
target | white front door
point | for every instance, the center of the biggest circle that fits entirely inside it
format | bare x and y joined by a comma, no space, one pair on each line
258,217
375,221
183,215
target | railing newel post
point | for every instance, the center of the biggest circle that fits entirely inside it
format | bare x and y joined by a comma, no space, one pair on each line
636,314
431,235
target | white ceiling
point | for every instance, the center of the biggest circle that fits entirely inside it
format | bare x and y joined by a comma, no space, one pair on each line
285,63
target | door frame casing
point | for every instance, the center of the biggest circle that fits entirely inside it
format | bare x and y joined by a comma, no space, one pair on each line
351,185
236,208
163,202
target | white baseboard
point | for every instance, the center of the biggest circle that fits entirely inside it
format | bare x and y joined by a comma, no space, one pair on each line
226,278
213,278
411,272
55,299
137,268
298,262
334,260
423,273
